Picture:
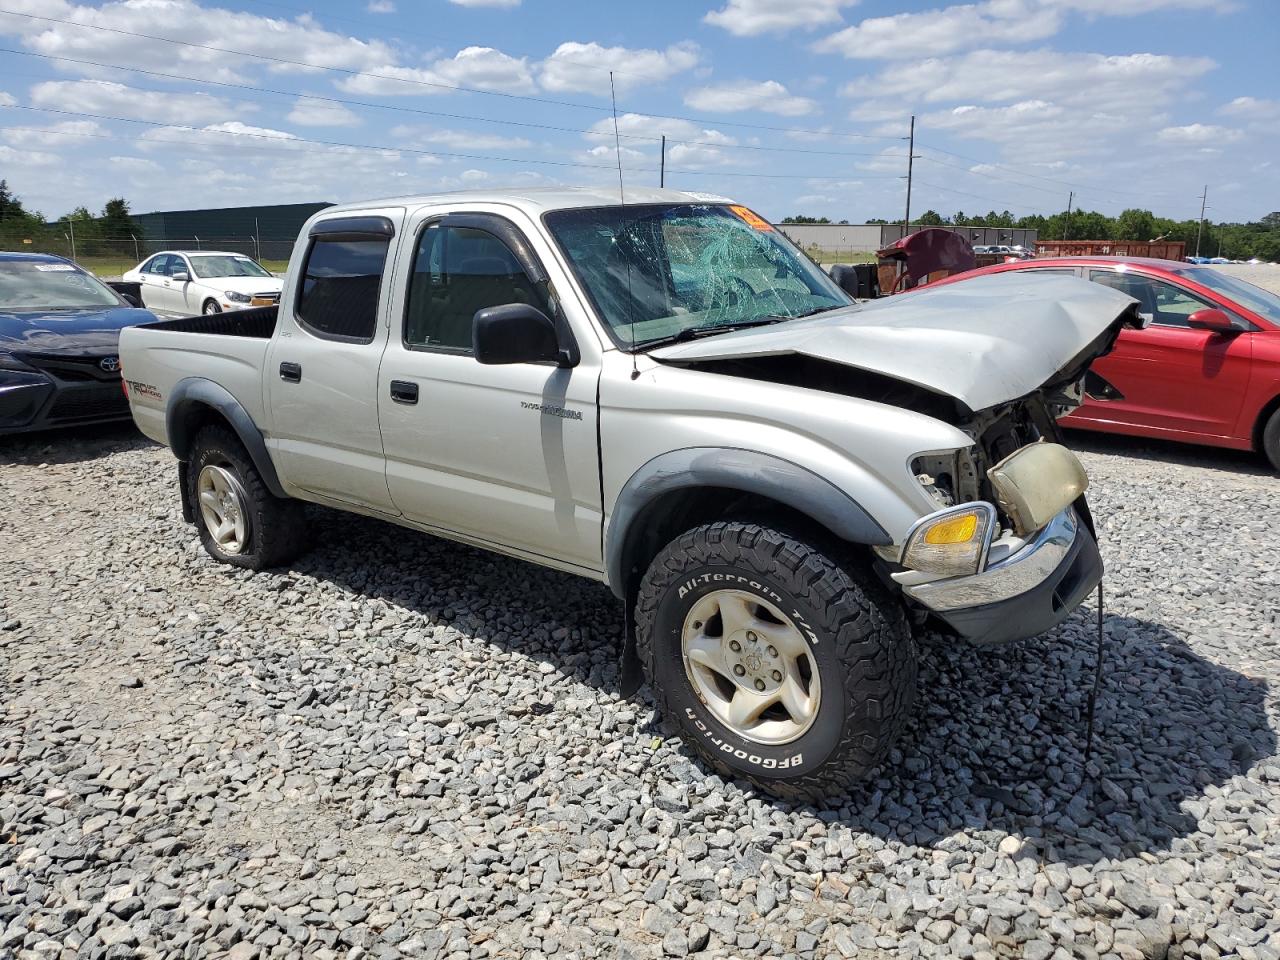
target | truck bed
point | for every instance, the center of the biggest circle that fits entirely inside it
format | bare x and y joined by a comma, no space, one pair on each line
227,349
258,322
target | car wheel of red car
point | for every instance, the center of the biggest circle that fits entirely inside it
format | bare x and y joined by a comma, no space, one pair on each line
1271,438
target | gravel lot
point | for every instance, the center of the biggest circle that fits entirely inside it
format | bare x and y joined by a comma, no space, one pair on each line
405,747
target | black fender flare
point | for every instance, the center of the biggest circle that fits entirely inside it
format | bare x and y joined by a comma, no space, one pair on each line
732,468
192,392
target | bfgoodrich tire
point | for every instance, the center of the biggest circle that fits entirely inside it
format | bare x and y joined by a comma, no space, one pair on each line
240,521
779,664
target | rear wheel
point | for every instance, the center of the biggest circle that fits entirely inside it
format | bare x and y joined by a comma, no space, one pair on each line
779,664
240,521
1271,438
211,307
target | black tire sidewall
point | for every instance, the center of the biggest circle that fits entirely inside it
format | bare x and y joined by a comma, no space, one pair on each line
1271,439
212,449
797,758
210,303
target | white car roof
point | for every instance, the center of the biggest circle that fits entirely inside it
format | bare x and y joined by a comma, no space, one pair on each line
201,253
535,200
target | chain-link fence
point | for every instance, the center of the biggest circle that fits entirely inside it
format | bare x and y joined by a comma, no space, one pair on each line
109,257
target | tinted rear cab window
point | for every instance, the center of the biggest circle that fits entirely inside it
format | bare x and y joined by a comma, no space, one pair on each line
338,293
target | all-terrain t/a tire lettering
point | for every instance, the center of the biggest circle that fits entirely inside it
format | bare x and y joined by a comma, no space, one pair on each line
755,589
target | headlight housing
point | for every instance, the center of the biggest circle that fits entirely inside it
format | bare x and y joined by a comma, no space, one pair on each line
9,362
236,296
951,542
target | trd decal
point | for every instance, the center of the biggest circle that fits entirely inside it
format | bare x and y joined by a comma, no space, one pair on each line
551,410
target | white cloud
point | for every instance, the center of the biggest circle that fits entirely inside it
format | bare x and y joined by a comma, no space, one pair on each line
486,69
749,18
1091,81
1199,133
435,138
7,99
584,67
486,3
957,27
308,112
942,31
116,99
1252,108
134,166
380,6
768,96
689,146
66,135
473,176
302,39
482,68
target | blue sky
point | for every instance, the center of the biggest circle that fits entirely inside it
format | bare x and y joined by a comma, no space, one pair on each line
792,106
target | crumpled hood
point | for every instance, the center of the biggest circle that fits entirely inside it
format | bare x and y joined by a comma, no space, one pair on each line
87,331
984,341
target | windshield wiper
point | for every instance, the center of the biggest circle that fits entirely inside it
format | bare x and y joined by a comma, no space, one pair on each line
697,333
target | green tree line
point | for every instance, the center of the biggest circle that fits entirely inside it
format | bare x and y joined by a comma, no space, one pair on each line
95,235
1236,241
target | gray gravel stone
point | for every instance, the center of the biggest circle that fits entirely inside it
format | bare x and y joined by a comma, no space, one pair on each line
401,746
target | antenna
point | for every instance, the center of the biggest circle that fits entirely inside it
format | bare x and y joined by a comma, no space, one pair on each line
622,193
617,140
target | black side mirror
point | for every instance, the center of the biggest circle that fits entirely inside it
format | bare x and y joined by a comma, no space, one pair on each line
130,299
515,333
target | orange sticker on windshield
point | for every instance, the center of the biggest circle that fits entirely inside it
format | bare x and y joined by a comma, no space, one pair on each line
751,218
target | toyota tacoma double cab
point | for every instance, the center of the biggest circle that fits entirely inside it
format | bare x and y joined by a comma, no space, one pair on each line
667,396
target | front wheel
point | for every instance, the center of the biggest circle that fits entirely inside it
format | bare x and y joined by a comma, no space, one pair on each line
210,308
779,664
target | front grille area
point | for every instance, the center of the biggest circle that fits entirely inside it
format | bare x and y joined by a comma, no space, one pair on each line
72,369
94,402
272,296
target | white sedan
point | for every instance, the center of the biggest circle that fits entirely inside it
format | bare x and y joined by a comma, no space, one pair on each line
204,281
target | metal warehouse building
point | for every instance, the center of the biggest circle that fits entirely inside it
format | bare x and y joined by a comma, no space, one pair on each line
263,232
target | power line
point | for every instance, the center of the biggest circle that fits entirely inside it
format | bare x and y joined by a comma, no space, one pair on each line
399,108
346,71
287,140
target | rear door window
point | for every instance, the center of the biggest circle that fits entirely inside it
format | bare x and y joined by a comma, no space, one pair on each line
338,291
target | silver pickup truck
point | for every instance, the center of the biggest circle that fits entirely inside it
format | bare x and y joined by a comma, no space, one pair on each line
667,396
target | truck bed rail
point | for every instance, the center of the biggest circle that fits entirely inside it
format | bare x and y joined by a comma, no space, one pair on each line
258,323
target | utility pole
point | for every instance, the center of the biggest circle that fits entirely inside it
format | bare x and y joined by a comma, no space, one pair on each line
911,155
135,248
72,225
1200,229
257,246
1066,226
662,164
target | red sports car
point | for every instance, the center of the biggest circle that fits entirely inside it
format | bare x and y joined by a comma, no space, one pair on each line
1206,369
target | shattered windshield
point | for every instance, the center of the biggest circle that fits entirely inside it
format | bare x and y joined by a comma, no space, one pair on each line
657,272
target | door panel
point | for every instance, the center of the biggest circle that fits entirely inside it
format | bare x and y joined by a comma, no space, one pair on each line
322,370
505,454
156,292
1175,379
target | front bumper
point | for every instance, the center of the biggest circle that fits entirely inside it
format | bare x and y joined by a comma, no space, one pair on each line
1022,595
45,400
